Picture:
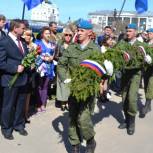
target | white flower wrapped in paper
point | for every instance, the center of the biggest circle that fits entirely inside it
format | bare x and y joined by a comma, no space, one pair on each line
148,59
109,67
142,50
103,49
42,69
67,81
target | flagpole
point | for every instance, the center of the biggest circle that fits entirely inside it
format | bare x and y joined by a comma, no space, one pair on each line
121,8
23,11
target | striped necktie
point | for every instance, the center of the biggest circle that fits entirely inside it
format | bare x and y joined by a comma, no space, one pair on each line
20,46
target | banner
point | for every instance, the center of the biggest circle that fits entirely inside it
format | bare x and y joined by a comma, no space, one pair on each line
32,3
141,5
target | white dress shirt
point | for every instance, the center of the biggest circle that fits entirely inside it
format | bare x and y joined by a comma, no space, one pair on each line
14,38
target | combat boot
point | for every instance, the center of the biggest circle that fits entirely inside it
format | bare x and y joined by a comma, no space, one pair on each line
91,145
131,125
146,108
124,124
75,148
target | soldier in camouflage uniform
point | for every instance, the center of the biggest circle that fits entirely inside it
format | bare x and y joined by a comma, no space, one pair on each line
148,81
80,123
130,85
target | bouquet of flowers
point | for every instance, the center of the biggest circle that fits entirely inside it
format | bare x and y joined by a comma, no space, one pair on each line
44,68
27,62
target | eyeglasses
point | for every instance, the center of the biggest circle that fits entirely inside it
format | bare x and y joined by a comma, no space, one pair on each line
28,35
68,35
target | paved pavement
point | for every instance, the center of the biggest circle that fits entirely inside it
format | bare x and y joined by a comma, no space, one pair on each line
48,132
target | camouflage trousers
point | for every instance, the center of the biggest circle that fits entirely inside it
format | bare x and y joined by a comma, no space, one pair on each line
80,122
148,82
130,86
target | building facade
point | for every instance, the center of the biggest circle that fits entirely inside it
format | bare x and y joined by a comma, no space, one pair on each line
104,18
47,11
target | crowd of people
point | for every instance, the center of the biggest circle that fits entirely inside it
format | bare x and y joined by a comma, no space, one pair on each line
59,56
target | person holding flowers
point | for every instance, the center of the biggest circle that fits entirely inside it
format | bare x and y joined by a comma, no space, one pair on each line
45,67
28,38
12,52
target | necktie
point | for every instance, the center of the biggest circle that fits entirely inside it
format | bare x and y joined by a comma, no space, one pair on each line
20,47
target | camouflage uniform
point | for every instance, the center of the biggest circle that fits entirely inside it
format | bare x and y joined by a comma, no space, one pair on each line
81,125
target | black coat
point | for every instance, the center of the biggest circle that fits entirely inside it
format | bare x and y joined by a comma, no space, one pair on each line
10,58
2,34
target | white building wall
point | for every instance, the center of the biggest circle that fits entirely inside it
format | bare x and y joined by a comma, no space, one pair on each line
95,19
149,22
45,12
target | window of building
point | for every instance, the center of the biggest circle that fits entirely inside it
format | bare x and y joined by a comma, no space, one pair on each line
126,20
100,18
149,20
104,18
135,20
110,20
143,23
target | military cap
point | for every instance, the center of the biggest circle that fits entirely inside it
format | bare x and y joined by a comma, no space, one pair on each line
84,24
131,26
150,30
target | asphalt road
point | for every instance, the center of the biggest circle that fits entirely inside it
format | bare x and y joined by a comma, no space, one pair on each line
48,132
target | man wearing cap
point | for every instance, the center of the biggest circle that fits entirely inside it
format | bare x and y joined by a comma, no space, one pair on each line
130,86
148,81
80,123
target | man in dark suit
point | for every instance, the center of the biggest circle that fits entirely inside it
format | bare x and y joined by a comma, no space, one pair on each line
12,51
2,24
2,34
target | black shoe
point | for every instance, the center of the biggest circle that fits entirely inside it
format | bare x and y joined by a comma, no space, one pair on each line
142,115
130,131
131,125
62,107
67,107
122,126
76,148
145,109
22,132
91,145
103,99
8,136
27,121
57,104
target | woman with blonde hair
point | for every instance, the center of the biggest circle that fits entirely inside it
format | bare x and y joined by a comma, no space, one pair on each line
62,90
28,39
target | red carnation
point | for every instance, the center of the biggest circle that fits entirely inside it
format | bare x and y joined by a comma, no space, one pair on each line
142,50
38,49
126,56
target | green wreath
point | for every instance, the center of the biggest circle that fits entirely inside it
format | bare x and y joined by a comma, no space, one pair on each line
85,82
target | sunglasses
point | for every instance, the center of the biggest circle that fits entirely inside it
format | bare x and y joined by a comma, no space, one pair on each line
68,35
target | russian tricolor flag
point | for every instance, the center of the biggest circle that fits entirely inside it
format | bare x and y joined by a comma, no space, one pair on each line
100,71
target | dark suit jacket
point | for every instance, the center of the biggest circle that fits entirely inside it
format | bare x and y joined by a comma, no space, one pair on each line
10,58
3,34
